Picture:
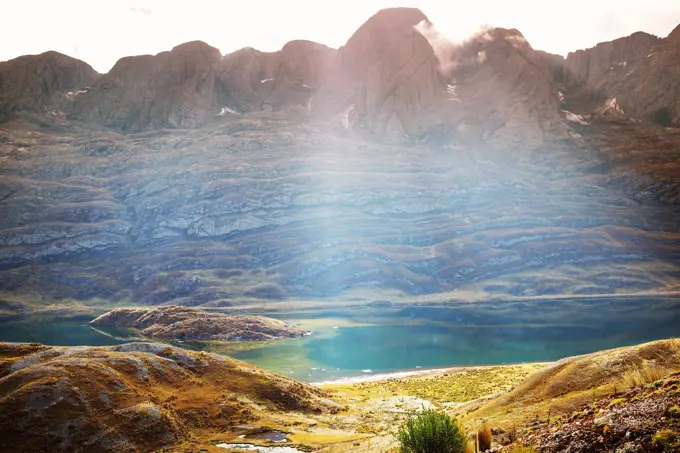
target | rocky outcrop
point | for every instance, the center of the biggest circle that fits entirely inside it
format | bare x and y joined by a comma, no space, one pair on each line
136,397
184,323
46,83
638,419
384,83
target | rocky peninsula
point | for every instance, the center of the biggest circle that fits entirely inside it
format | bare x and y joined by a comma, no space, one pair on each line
186,323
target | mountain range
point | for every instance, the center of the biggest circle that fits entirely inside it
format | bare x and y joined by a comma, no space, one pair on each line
400,166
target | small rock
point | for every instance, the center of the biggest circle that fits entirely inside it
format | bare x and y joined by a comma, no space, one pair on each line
603,420
629,447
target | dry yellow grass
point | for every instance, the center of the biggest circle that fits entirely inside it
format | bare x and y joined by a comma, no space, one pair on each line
484,437
641,374
568,384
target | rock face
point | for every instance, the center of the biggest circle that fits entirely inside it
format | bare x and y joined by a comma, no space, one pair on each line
180,88
193,83
505,89
45,83
635,76
183,323
135,397
651,92
384,82
302,68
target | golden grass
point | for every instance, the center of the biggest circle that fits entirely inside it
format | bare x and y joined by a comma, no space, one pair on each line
457,385
323,438
521,448
484,437
641,374
566,385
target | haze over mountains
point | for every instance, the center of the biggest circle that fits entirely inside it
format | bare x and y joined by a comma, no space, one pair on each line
396,167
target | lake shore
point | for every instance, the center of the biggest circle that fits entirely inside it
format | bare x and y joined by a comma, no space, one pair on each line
416,373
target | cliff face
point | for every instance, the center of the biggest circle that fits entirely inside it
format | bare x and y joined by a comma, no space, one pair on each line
638,74
45,83
586,66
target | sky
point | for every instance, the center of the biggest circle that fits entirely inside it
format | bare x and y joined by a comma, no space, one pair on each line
100,32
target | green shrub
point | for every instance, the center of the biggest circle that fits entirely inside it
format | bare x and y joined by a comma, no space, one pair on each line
665,439
674,412
431,432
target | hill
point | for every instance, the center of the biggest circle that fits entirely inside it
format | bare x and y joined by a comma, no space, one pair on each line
140,397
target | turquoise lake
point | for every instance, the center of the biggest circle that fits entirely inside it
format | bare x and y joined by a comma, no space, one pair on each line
361,343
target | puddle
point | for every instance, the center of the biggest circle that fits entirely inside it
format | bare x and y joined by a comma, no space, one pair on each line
271,436
258,448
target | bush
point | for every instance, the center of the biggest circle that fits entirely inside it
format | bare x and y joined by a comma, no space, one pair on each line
432,432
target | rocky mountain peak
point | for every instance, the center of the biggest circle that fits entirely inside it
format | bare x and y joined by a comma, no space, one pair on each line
674,36
502,88
384,82
170,89
45,83
197,49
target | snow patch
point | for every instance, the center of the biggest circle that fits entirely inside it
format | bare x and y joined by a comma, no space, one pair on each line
306,86
266,80
348,116
516,40
226,111
71,95
560,96
451,89
574,118
611,104
481,57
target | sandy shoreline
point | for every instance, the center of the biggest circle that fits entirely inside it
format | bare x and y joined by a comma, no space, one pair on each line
414,373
